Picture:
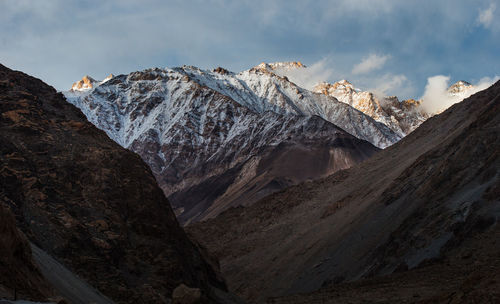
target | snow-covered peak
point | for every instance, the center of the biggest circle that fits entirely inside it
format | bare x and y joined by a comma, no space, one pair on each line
400,117
336,89
343,83
107,78
459,88
278,66
287,65
85,84
88,83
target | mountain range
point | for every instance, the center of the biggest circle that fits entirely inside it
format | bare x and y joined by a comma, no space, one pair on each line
215,139
218,139
286,195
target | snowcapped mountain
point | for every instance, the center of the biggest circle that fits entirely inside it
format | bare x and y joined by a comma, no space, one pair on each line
284,66
261,90
87,83
401,117
461,90
215,139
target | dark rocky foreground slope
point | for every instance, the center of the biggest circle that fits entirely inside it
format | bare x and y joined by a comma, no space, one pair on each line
88,202
428,204
18,274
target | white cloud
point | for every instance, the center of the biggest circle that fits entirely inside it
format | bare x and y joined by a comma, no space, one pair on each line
436,98
370,63
485,17
389,84
311,75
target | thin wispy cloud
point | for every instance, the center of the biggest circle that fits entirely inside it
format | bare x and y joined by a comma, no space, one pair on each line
485,17
310,76
387,84
371,63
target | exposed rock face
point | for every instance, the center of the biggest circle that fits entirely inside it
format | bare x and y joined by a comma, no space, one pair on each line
90,203
185,295
18,274
401,117
427,198
210,152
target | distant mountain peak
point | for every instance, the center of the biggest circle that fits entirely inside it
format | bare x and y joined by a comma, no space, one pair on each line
86,83
286,65
328,88
400,117
221,71
107,78
459,87
343,82
463,82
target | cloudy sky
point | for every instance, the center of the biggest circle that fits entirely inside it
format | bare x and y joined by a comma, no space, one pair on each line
390,46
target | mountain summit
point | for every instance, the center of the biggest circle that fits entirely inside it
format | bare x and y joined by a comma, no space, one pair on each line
279,66
87,83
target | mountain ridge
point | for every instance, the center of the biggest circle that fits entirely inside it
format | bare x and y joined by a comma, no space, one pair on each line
194,136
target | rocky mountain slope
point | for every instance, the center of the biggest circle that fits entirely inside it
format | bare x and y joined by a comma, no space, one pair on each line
88,202
423,201
468,273
19,276
212,145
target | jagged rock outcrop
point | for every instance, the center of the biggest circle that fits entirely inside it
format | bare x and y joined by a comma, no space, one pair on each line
431,199
208,151
88,202
401,117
